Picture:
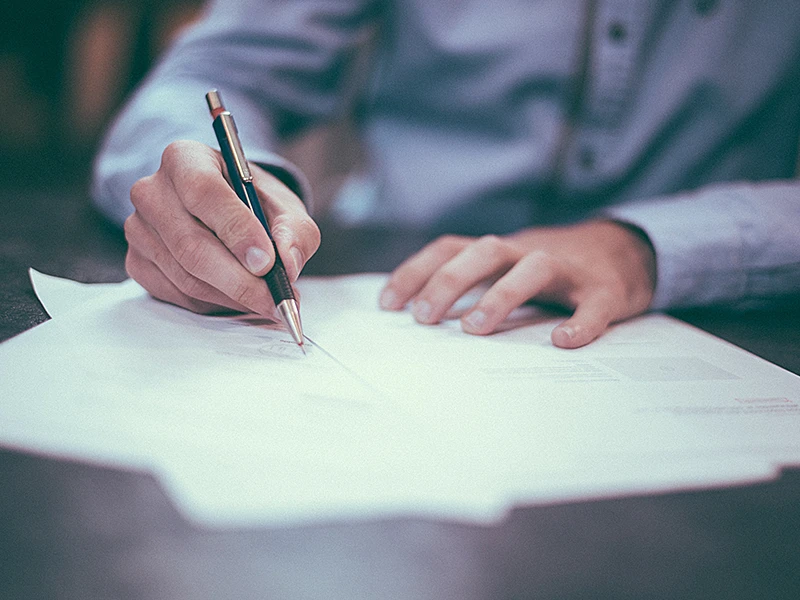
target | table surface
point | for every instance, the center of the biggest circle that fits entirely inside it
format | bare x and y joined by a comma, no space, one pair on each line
72,530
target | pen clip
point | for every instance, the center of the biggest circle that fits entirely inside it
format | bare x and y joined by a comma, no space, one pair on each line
231,132
229,126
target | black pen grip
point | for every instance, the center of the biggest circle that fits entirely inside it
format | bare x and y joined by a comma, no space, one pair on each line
276,278
278,281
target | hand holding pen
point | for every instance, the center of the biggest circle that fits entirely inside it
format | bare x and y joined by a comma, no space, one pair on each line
192,242
241,179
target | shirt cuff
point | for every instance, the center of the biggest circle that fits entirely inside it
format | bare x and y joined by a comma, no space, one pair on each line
698,247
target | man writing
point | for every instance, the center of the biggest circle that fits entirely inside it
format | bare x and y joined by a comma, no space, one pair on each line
608,156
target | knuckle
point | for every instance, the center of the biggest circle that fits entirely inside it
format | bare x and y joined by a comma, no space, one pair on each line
191,253
196,196
292,226
174,153
498,247
539,256
141,192
447,278
543,261
161,256
400,277
310,231
406,280
503,295
449,243
129,228
136,232
133,266
232,226
491,243
189,285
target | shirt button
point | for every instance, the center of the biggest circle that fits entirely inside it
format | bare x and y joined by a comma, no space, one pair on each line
617,32
705,7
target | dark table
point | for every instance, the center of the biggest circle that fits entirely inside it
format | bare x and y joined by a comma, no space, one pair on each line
71,530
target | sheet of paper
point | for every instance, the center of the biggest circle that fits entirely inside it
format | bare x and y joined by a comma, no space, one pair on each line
386,417
652,384
59,296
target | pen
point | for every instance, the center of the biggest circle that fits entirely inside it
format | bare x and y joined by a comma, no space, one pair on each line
242,181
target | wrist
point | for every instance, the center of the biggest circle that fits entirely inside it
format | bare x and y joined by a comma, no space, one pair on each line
636,251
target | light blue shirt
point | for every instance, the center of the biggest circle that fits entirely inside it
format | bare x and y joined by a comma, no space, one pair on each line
679,117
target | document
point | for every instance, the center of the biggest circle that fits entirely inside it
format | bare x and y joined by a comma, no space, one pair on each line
385,417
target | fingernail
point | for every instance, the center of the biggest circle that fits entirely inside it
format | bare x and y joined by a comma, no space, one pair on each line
256,259
388,299
568,331
422,311
475,320
564,336
297,260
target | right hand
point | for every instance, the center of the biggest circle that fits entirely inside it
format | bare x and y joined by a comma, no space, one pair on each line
192,242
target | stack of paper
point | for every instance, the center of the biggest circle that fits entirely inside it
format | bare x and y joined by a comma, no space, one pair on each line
385,417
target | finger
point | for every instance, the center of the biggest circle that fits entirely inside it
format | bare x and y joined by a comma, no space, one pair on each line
144,241
590,319
482,259
535,274
207,196
295,233
412,275
160,287
196,248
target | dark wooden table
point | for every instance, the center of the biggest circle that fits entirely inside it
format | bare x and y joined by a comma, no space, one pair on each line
74,531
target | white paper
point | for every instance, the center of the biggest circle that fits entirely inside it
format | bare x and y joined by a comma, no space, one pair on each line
386,417
60,296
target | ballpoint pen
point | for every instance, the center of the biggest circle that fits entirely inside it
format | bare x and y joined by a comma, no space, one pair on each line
242,181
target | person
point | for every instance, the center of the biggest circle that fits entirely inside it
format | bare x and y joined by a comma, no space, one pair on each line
608,156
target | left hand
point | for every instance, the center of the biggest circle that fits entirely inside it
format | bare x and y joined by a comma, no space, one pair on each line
602,270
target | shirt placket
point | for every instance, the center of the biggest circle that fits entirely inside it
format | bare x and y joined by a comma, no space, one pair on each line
616,40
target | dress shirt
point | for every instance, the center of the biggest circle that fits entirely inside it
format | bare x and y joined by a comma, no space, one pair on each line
681,117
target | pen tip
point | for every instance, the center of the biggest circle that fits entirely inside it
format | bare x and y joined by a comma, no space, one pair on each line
290,313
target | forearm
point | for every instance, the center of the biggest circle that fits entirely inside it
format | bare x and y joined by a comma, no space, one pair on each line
735,245
163,111
278,70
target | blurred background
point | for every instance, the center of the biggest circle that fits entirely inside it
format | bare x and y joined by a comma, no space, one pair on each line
65,67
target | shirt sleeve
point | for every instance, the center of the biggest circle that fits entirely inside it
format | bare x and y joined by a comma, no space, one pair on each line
734,245
280,66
